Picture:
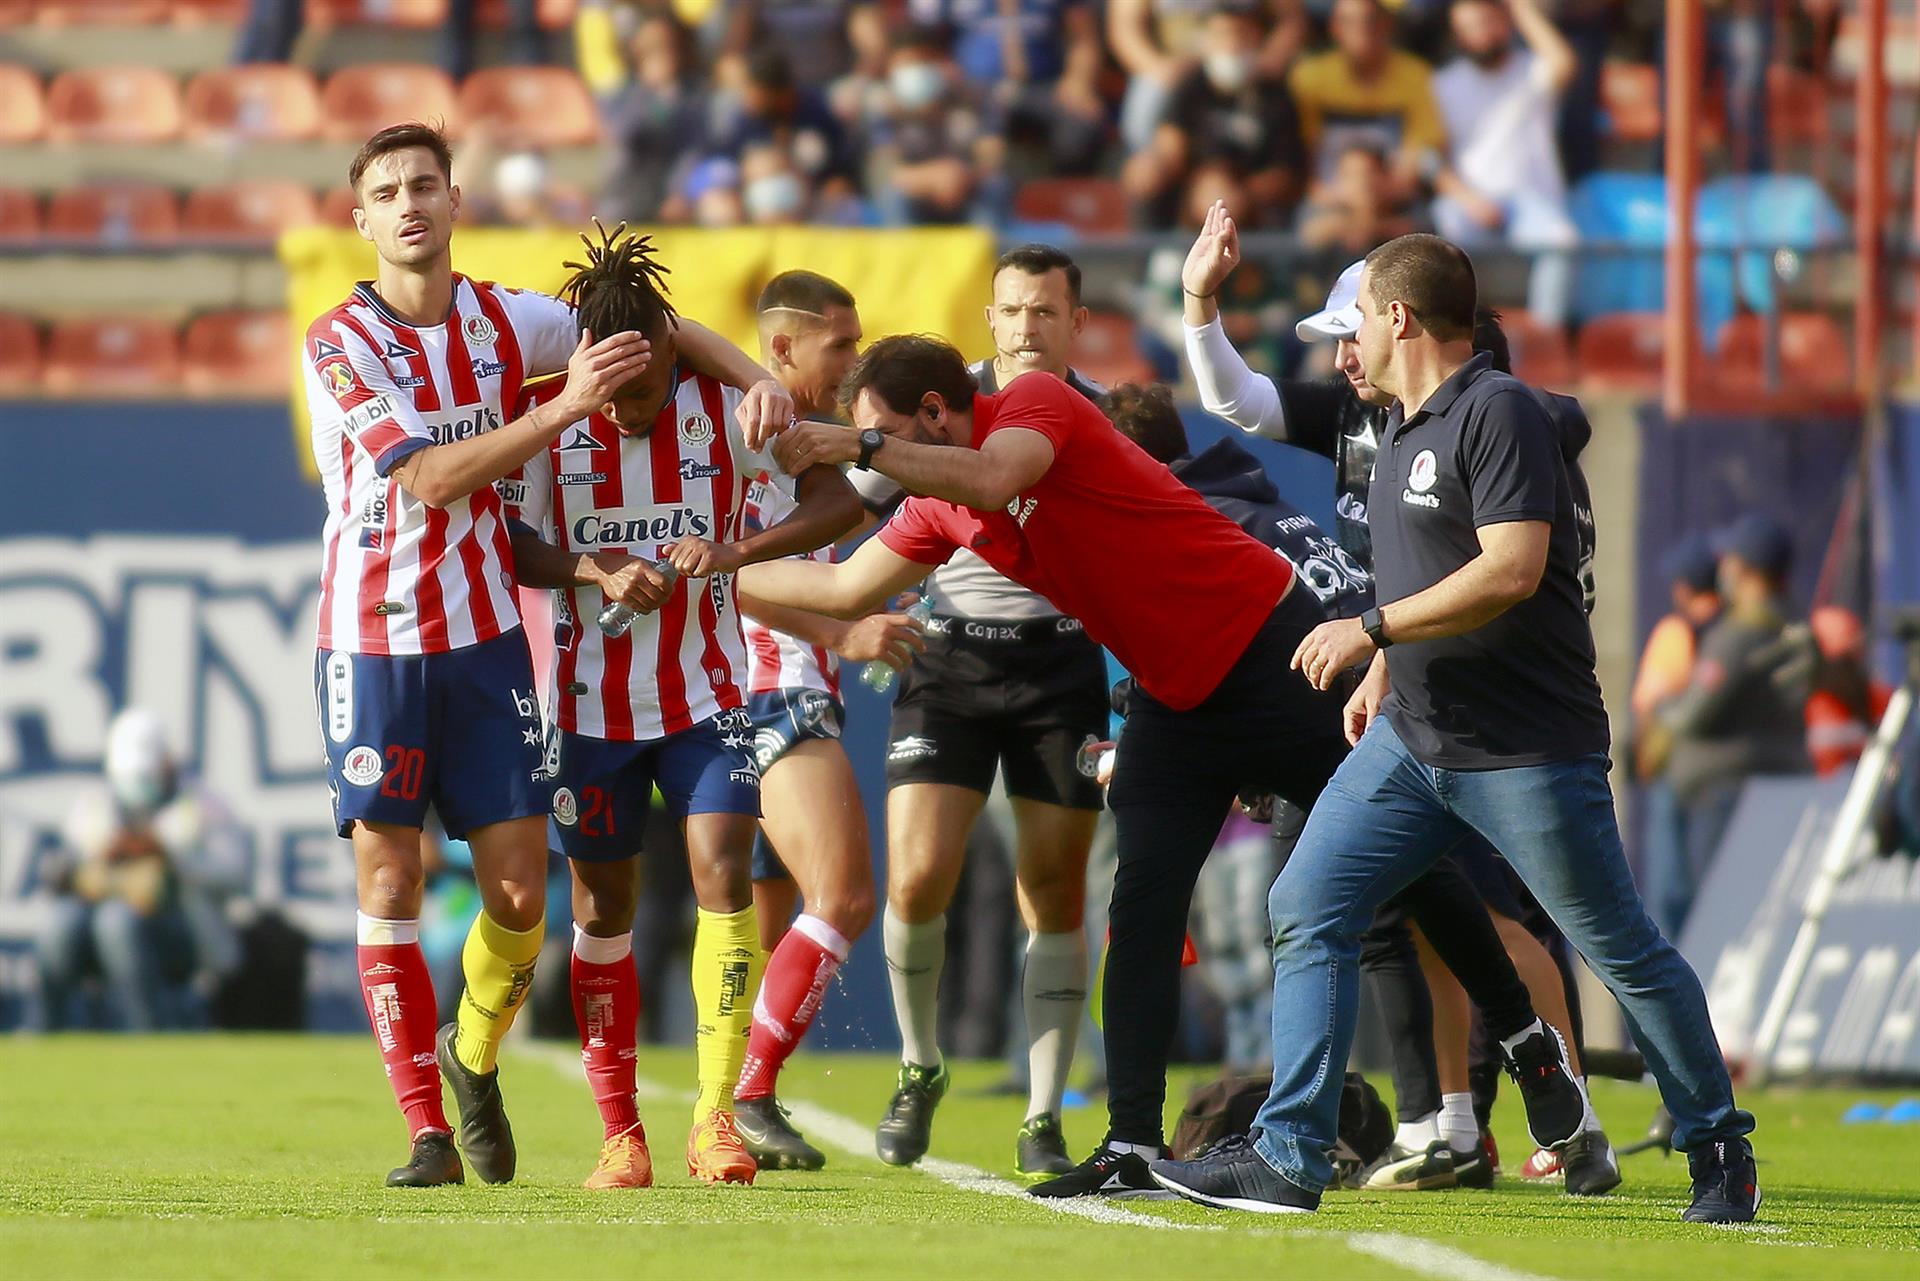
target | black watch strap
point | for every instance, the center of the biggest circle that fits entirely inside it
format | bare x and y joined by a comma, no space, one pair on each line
870,442
1374,623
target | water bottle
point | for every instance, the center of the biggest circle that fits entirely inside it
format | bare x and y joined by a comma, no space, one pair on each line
878,675
616,617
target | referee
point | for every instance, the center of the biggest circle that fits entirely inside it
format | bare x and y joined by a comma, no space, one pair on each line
1480,712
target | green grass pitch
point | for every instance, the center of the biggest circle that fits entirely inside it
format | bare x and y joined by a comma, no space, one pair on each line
261,1157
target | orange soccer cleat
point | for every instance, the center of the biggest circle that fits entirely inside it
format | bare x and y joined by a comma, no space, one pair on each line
624,1162
716,1153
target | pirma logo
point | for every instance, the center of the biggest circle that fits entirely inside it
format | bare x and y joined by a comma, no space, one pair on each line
361,766
1425,472
566,810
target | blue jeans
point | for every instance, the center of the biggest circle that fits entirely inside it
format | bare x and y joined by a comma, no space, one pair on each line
141,961
1384,818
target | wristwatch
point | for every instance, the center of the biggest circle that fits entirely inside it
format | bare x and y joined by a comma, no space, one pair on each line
1374,624
870,440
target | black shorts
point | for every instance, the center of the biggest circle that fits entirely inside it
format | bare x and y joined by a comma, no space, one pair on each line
1024,697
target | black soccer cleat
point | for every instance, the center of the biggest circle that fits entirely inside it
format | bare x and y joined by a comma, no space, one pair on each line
1122,1176
1041,1148
485,1136
1589,1166
1726,1187
770,1137
906,1131
1409,1169
434,1164
1232,1175
1476,1169
1556,1105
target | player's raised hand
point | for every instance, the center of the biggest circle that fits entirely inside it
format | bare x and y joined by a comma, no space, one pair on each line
597,370
698,558
631,580
766,411
804,444
891,638
1215,252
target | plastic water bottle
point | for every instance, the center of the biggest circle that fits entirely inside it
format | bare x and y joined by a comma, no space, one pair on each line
616,618
878,675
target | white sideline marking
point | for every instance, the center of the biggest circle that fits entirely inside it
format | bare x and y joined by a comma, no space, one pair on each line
1414,1254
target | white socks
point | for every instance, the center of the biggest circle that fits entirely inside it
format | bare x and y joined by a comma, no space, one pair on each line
1418,1136
1053,994
1458,1126
915,955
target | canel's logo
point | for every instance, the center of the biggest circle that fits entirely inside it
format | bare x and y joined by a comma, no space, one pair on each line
482,419
634,525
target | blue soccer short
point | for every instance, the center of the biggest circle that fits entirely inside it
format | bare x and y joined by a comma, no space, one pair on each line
783,719
603,787
459,731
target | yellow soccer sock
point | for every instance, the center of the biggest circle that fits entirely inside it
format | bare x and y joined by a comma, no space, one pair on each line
498,963
727,962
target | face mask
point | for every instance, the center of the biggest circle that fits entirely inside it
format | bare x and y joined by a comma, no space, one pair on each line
777,195
916,84
1229,72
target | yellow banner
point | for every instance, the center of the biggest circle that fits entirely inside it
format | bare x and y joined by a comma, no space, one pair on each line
919,280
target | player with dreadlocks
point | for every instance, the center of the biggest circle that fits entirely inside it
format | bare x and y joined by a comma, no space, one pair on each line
641,504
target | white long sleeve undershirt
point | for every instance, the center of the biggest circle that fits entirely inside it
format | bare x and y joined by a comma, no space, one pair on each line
1248,400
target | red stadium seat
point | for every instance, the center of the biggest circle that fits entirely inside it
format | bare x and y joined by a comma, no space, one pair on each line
1108,350
530,106
1813,351
102,13
1540,352
336,207
261,103
112,356
19,354
238,353
378,13
249,211
15,12
1621,352
190,12
19,214
1797,104
362,100
1630,96
117,213
113,104
1085,204
554,15
23,106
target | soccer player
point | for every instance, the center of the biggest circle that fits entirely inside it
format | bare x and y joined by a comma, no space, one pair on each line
813,826
424,681
656,474
1008,683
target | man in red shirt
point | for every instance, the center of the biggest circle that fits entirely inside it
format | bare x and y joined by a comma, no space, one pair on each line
1037,483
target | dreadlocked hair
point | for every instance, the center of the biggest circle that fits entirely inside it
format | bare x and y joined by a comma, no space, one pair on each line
621,286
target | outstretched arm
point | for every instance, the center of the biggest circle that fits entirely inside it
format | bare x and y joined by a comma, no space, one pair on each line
1227,386
827,508
853,588
985,479
767,409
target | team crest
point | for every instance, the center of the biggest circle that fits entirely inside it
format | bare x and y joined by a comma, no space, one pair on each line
696,430
1424,473
566,810
361,766
480,331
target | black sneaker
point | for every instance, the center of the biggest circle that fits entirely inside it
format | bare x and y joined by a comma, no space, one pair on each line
1726,1188
1589,1165
1555,1103
1123,1176
906,1130
1232,1175
771,1138
1405,1169
485,1136
1041,1147
434,1164
1476,1169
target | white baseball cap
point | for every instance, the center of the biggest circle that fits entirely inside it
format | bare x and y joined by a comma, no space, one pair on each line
1340,318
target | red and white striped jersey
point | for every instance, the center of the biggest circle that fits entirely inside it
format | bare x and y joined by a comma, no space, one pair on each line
400,577
595,489
781,661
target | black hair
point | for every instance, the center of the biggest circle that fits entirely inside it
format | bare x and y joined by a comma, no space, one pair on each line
1037,260
1145,414
902,369
621,286
398,138
1431,277
803,291
1489,336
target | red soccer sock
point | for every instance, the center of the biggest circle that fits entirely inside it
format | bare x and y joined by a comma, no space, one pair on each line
796,982
399,993
606,1007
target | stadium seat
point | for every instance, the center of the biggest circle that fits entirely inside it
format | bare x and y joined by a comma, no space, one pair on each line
1797,105
530,106
23,106
1093,205
19,214
1540,352
1621,352
114,213
1630,97
19,354
378,13
261,103
258,210
362,100
15,12
336,207
1108,350
554,15
191,12
112,356
102,13
113,104
1813,350
237,353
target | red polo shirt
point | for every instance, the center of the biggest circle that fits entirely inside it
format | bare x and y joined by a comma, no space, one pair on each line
1172,587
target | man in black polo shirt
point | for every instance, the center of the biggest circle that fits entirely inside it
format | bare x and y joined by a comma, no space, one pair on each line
1481,712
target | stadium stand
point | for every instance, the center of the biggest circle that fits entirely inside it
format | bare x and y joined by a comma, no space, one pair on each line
529,107
111,356
258,211
236,354
360,100
1108,350
103,13
19,354
1540,352
1621,352
19,215
113,104
1092,205
425,14
23,106
1814,352
114,213
255,103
